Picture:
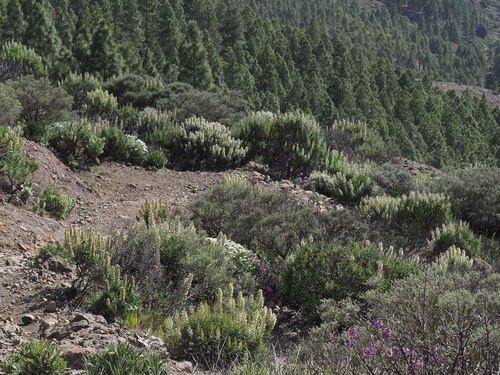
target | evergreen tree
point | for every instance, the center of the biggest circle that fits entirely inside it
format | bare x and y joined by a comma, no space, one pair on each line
14,24
194,64
105,60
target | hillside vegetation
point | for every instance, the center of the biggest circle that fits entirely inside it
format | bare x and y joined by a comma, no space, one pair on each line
400,276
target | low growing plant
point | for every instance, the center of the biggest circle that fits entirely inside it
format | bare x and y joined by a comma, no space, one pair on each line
455,234
35,357
124,359
55,202
15,169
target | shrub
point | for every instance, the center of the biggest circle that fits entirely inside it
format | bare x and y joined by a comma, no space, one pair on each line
201,144
15,168
453,260
78,85
120,146
135,90
474,192
223,332
156,159
100,104
55,202
10,108
455,234
394,180
124,359
89,252
78,142
424,210
270,223
226,108
356,140
320,270
17,60
153,123
116,298
35,357
284,142
43,104
429,322
350,187
160,252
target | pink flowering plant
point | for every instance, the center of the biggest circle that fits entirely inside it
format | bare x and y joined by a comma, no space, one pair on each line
378,349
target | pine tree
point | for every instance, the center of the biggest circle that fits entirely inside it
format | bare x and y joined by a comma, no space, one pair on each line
194,64
14,25
104,57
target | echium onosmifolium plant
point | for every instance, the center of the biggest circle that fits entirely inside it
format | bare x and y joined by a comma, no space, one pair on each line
227,330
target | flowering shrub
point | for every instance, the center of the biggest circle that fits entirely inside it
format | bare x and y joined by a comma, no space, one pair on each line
422,209
453,260
341,186
78,142
429,323
99,103
221,333
243,258
78,85
120,146
455,234
377,349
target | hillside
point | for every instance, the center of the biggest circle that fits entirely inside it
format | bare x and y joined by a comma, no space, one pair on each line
249,187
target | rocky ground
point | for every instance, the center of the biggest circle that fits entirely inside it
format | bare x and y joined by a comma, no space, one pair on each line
34,301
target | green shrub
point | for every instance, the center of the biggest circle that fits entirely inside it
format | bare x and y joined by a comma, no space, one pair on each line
455,234
100,104
124,359
155,125
15,169
356,140
284,142
78,85
270,223
119,146
200,144
79,143
135,90
89,252
18,60
221,333
156,159
321,270
344,187
55,202
226,108
115,297
43,104
424,210
393,180
10,107
428,322
35,357
474,192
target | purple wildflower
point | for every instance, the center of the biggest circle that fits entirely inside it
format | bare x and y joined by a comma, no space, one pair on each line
353,332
